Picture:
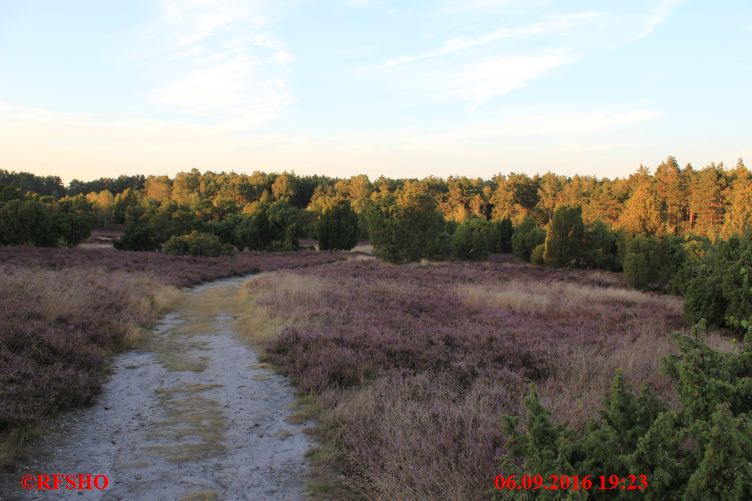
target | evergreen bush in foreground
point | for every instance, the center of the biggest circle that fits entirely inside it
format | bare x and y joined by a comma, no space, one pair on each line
702,450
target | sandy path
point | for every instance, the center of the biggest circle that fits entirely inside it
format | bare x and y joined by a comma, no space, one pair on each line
190,414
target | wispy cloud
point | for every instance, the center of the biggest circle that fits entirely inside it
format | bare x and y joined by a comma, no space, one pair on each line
552,24
474,81
661,12
225,62
477,69
490,78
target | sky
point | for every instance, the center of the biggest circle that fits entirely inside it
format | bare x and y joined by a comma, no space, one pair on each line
95,88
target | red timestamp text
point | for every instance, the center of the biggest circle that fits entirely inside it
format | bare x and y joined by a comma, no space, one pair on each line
536,482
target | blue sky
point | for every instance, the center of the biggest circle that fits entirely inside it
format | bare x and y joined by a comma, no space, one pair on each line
341,87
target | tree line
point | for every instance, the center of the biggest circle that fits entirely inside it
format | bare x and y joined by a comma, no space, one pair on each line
646,224
714,201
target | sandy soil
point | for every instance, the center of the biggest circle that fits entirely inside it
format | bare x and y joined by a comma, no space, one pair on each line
190,414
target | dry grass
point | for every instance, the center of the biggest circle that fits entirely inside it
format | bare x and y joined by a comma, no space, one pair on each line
558,297
203,495
259,324
176,347
305,408
194,429
407,368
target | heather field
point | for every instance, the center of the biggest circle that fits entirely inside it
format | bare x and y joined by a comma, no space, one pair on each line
178,271
64,312
408,368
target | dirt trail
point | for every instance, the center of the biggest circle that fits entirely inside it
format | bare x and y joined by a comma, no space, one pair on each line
190,414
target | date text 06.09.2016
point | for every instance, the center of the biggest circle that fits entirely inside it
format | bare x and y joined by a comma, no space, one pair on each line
571,482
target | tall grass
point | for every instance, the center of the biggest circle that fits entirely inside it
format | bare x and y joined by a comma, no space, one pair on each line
260,323
412,365
531,297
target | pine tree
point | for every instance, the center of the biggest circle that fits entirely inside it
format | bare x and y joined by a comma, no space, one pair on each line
604,205
707,200
549,190
671,189
738,217
642,212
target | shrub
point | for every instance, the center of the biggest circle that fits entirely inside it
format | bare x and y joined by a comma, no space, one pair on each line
138,236
564,237
441,246
538,254
695,250
337,228
225,228
410,348
526,237
702,450
271,227
475,239
601,247
71,228
704,299
650,262
253,231
53,223
505,235
285,225
197,244
26,223
404,226
718,285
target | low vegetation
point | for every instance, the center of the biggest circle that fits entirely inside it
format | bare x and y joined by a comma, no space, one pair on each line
55,340
64,312
412,366
717,284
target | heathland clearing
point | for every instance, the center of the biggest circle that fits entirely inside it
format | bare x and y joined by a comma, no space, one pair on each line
409,367
189,411
406,369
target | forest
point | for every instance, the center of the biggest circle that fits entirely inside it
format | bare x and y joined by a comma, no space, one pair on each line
712,202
